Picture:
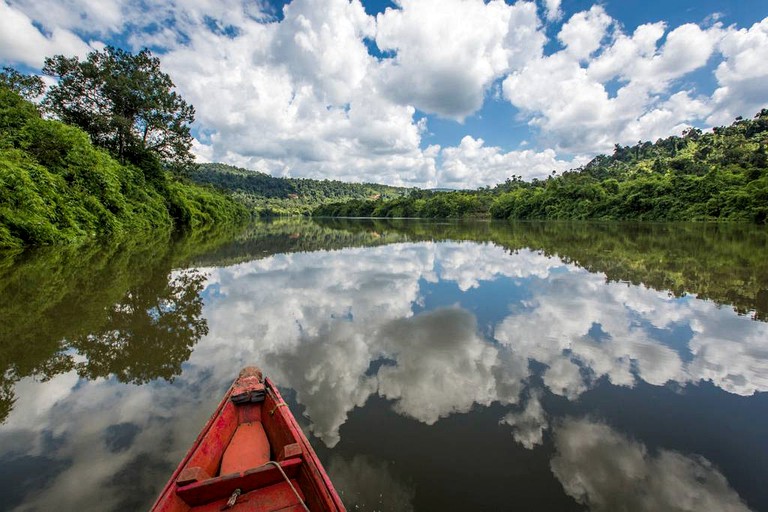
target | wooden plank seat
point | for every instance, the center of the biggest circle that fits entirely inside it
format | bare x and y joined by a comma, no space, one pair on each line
222,487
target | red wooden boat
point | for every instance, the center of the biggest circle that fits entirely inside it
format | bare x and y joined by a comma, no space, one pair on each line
250,457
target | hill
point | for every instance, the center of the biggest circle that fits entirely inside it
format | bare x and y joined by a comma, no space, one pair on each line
269,196
720,175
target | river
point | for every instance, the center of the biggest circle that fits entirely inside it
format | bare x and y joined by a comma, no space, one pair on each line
433,365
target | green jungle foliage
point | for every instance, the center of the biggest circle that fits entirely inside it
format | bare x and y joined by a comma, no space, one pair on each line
28,87
279,235
722,175
268,196
457,204
56,187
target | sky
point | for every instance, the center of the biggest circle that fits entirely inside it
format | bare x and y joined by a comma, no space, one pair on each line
428,93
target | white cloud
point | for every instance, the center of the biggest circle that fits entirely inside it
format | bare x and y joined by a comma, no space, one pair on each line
21,42
529,424
687,48
300,97
605,470
470,264
303,96
568,96
472,164
68,423
724,349
582,34
625,51
552,10
449,52
742,74
444,366
348,312
85,16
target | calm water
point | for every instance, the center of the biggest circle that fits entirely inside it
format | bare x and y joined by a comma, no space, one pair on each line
434,366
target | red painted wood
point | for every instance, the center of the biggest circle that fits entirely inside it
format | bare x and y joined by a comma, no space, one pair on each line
248,448
289,451
273,498
264,488
192,474
209,451
325,494
222,487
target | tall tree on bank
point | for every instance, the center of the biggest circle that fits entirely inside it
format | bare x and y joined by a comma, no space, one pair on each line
124,102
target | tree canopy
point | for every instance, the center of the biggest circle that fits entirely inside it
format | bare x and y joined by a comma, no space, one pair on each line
124,102
28,87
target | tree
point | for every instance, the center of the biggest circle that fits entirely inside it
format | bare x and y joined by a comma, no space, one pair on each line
28,87
124,102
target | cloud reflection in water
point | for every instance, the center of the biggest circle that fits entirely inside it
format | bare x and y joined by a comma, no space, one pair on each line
605,470
319,323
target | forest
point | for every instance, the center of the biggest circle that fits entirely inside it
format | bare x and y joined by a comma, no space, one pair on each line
719,175
102,155
268,196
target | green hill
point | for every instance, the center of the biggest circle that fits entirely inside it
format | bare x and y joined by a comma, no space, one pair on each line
268,196
721,175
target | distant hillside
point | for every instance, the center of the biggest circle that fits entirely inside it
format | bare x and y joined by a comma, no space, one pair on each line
267,195
722,175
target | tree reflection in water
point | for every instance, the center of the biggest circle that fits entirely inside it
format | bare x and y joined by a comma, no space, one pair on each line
149,334
117,310
382,345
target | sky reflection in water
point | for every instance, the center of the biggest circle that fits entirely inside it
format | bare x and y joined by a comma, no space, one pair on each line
541,383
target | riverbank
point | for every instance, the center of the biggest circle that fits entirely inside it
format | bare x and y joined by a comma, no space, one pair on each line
57,188
722,175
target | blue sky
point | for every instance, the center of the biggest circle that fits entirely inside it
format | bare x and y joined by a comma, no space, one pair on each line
455,93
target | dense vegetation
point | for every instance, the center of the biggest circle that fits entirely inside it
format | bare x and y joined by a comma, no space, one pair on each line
60,183
270,196
699,176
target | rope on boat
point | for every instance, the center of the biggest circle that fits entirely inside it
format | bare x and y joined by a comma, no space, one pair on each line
280,468
276,464
233,499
